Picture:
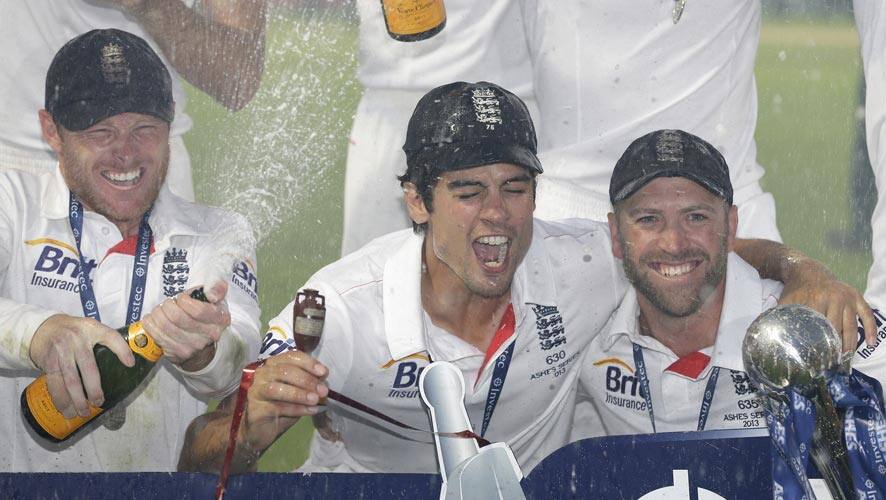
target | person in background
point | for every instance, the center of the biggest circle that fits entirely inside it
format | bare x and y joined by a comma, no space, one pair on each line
608,71
481,41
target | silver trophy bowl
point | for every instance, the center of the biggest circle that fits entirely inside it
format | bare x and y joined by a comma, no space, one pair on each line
795,347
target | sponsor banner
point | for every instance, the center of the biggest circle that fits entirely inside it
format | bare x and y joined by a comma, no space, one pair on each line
710,464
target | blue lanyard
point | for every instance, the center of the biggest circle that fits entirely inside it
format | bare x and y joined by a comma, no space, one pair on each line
710,387
499,372
139,266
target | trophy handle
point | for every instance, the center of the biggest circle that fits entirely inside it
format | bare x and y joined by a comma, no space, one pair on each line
828,445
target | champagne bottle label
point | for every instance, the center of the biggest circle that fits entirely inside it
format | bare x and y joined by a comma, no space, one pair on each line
143,344
46,414
407,17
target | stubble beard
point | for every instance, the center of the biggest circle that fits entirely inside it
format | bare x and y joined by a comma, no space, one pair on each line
77,177
686,301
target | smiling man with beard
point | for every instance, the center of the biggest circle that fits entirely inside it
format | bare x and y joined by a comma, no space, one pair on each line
670,358
99,242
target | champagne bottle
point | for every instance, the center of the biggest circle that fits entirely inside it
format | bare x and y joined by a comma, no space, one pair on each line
413,20
117,380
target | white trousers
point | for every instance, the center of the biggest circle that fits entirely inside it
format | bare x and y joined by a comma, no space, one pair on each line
178,179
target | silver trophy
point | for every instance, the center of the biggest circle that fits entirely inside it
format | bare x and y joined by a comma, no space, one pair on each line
794,346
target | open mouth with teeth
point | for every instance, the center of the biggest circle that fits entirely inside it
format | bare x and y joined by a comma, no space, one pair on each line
492,251
122,179
674,270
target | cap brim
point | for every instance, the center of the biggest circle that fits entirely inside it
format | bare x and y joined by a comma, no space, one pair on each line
451,156
84,113
635,185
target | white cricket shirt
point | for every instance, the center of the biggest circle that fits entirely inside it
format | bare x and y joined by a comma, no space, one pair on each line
610,378
870,18
38,277
377,339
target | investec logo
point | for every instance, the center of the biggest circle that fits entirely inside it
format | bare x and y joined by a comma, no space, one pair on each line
58,265
405,382
622,386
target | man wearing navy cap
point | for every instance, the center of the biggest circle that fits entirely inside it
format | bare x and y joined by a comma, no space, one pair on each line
670,359
98,242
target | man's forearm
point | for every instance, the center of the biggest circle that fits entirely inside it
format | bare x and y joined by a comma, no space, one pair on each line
206,443
776,261
811,283
221,53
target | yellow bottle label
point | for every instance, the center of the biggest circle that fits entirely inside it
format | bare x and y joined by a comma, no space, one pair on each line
48,416
408,17
143,344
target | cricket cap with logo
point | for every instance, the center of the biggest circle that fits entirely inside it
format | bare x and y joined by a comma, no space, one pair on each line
670,153
464,125
103,73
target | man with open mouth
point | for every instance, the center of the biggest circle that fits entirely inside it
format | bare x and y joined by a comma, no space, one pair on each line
510,300
99,243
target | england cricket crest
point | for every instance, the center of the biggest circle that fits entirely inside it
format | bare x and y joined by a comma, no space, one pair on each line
486,107
742,383
549,326
175,271
114,66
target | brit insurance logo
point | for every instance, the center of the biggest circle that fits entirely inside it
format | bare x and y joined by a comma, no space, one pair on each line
549,326
621,386
245,278
862,349
275,342
175,271
58,265
404,381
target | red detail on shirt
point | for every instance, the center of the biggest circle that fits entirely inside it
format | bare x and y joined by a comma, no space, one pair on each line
505,331
127,246
690,365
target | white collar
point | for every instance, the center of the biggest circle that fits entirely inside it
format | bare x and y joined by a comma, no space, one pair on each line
401,293
742,303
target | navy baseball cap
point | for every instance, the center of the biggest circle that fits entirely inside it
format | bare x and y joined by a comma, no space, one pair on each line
464,125
103,73
670,153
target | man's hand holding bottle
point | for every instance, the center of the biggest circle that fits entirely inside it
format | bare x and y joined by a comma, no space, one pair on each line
62,349
187,328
